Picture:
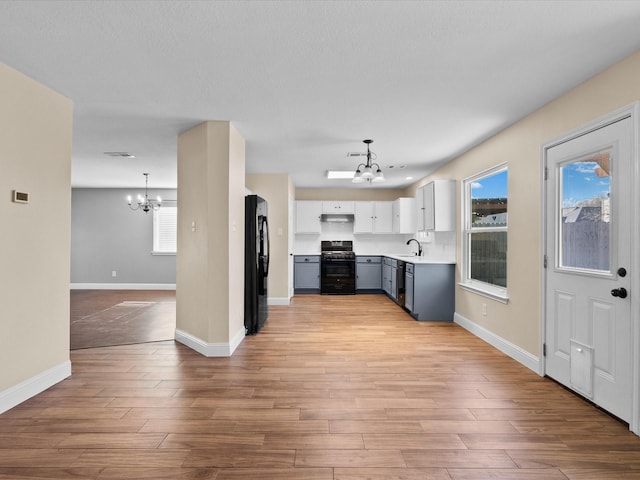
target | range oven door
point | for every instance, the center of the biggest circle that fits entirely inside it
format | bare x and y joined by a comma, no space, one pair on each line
337,276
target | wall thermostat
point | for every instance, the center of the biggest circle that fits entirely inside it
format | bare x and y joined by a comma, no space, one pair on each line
20,197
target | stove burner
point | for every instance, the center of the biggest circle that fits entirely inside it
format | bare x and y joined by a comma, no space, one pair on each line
338,255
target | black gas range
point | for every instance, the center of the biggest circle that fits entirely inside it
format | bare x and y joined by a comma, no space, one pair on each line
337,267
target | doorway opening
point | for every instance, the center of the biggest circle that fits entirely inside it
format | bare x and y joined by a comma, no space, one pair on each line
102,318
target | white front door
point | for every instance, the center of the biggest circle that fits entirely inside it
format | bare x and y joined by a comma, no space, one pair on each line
588,255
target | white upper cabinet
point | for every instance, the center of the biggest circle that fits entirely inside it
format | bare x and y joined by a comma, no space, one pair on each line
436,206
404,215
308,216
337,207
383,217
363,218
373,217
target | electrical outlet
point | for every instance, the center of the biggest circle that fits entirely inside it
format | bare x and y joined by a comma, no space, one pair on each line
114,273
484,309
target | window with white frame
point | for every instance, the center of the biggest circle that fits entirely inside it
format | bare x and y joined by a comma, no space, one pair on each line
484,252
165,224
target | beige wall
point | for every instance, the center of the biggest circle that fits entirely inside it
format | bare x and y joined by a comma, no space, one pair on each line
35,157
364,194
193,253
210,286
276,190
235,260
520,146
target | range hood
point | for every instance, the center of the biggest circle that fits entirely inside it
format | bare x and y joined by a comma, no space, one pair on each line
336,217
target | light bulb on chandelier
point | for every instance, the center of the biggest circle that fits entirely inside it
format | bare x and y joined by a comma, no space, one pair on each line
145,203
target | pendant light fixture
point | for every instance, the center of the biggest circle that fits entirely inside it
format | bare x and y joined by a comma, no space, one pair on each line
145,203
368,174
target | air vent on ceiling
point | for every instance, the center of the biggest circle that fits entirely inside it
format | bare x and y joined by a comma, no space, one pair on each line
120,154
355,154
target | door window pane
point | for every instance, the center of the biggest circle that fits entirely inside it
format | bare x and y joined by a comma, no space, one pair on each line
585,227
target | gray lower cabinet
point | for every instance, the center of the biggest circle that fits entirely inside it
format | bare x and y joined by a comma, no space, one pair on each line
386,275
430,291
389,269
306,273
368,274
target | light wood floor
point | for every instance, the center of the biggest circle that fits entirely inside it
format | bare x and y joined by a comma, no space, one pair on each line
340,388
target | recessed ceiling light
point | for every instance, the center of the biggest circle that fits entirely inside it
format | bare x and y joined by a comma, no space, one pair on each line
408,178
340,174
120,154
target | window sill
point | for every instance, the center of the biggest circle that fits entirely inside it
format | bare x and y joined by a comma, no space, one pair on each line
163,253
499,294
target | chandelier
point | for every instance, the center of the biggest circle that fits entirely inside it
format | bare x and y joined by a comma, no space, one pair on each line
145,203
367,173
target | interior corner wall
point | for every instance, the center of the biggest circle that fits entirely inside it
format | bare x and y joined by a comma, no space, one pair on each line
519,321
192,280
35,157
237,153
107,236
275,189
209,272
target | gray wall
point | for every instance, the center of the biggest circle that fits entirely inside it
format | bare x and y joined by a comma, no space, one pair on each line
107,235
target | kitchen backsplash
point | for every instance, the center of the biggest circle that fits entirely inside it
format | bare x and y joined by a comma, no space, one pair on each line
438,244
435,244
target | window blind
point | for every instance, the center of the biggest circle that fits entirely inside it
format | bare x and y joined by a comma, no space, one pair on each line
165,225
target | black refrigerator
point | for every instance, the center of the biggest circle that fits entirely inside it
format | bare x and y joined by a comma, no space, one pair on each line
256,263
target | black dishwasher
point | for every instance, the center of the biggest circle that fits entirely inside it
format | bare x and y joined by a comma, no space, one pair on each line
408,288
400,290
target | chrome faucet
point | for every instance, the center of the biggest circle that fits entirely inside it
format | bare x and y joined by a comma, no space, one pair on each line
419,246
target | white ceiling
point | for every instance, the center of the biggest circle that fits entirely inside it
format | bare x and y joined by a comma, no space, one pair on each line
304,82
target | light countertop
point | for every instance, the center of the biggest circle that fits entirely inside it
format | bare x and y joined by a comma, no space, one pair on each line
405,257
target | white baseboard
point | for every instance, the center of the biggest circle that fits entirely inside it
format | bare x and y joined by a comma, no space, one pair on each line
518,354
236,340
284,301
123,286
29,388
210,349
